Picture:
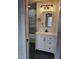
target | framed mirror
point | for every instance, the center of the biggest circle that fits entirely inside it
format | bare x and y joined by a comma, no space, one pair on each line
47,19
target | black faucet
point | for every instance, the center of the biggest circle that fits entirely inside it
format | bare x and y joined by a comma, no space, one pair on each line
46,30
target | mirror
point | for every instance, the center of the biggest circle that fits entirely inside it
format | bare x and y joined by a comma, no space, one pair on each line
47,19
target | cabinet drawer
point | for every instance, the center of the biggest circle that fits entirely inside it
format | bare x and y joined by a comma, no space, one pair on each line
51,40
50,44
40,42
51,50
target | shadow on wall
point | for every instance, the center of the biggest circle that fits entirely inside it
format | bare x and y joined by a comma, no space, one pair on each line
21,31
58,49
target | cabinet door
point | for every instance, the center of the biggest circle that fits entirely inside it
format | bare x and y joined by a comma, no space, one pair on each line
50,44
40,42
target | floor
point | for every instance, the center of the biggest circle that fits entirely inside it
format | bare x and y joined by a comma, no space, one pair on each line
39,54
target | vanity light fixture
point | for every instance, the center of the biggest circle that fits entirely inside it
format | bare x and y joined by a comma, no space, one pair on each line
46,6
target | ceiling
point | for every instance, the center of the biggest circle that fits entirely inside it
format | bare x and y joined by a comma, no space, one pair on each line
32,1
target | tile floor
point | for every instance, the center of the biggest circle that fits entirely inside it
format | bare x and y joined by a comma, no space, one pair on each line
35,54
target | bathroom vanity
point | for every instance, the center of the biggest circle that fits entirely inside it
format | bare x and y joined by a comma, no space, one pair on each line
46,37
46,42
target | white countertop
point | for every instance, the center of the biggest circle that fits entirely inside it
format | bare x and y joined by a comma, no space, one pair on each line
45,33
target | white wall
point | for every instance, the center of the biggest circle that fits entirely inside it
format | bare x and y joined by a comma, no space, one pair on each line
39,0
39,14
55,11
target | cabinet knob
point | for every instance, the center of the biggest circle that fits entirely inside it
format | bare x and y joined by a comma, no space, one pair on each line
49,48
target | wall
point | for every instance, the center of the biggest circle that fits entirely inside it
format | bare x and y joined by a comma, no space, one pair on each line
38,0
58,48
21,31
39,14
55,12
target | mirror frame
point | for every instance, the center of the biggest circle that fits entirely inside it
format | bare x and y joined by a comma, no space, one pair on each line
43,18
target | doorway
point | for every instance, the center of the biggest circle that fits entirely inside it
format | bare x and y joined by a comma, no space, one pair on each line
42,24
32,17
31,22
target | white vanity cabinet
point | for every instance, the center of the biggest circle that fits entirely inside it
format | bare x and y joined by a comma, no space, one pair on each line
40,42
46,43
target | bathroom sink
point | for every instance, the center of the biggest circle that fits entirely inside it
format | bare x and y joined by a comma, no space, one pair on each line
45,33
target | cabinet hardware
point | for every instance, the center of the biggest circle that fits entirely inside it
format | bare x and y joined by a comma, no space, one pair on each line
27,40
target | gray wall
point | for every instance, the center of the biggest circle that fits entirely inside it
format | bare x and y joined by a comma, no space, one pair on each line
21,31
58,49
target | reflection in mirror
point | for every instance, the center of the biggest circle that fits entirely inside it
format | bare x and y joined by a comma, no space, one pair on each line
48,21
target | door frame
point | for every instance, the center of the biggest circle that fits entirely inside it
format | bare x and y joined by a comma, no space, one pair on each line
22,44
26,28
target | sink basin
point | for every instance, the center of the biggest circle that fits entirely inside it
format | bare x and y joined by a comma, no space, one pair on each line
45,33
